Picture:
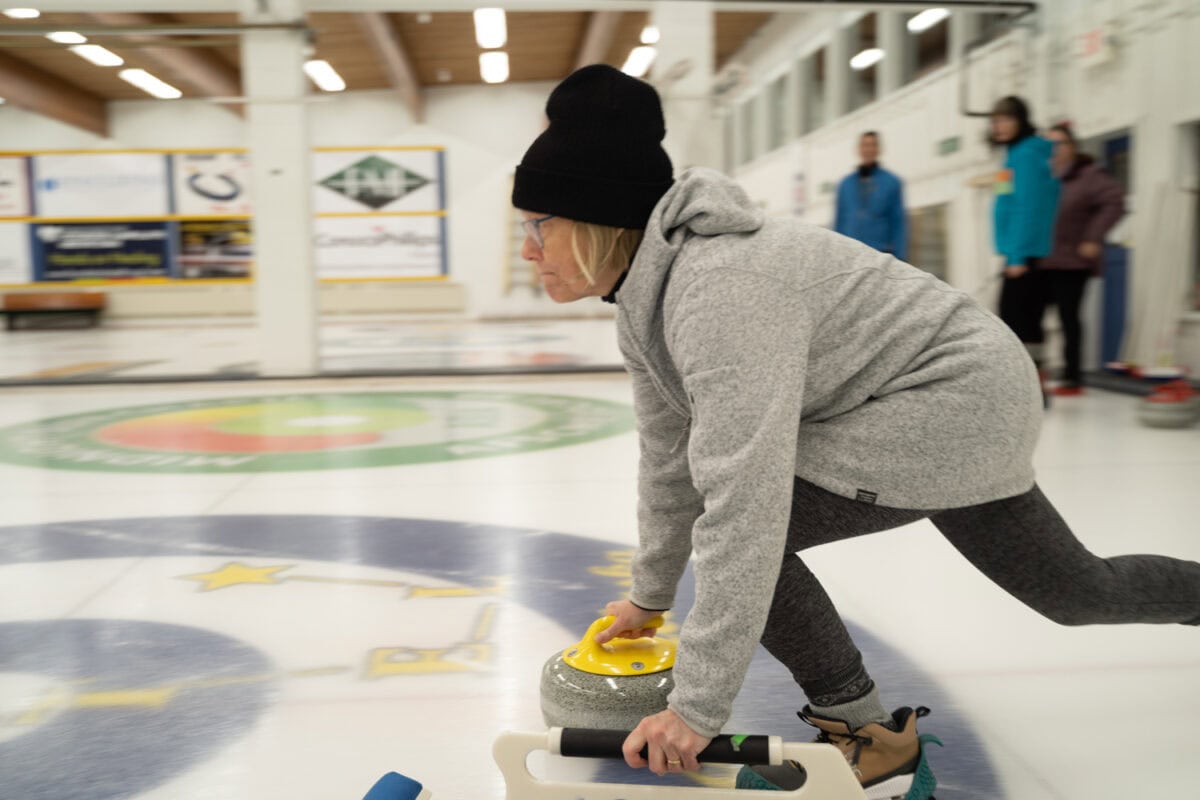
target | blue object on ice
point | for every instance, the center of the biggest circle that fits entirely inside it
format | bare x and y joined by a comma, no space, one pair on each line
394,786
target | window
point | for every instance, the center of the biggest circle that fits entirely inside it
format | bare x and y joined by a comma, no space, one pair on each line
863,41
813,90
932,47
927,241
729,153
993,26
746,151
1194,183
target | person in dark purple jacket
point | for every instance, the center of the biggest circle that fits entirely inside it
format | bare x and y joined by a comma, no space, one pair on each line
1091,202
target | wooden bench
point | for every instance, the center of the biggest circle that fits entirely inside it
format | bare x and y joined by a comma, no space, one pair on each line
19,304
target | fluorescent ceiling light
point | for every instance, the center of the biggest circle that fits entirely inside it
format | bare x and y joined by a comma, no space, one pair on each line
66,37
927,19
650,35
867,58
491,30
639,61
150,84
493,66
324,75
100,56
22,13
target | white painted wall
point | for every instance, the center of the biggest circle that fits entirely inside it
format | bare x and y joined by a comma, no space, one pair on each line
485,131
1148,86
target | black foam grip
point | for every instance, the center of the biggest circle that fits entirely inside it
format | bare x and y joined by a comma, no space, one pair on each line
725,749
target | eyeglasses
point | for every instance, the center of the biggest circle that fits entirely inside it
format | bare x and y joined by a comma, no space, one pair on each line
533,229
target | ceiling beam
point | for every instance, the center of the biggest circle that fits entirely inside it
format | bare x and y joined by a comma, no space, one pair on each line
174,6
155,29
203,71
598,40
27,87
402,74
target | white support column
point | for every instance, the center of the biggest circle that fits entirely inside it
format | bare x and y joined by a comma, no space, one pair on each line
285,282
762,121
897,46
837,73
800,86
791,104
683,72
964,29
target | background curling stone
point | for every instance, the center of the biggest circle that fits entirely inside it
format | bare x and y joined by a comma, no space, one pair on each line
609,686
1172,405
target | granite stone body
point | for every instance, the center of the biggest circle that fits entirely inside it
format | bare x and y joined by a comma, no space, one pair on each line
572,698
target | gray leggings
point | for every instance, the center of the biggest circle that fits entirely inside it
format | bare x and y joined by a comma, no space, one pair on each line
1020,543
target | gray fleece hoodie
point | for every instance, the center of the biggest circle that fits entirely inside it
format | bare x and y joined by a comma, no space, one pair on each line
761,350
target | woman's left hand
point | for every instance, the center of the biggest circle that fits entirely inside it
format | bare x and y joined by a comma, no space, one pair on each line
672,745
1015,271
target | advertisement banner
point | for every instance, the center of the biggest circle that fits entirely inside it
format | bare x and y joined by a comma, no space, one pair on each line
214,248
14,187
100,251
15,263
379,247
212,184
110,185
377,180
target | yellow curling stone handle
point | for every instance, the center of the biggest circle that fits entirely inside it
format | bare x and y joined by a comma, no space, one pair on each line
643,656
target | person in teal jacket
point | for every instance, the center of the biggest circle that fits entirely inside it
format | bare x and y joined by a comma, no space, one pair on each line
870,203
1023,220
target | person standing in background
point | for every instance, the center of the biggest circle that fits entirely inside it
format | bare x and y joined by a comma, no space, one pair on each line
1023,222
870,203
1091,203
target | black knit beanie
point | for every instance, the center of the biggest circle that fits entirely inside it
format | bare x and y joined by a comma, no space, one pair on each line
601,160
1015,107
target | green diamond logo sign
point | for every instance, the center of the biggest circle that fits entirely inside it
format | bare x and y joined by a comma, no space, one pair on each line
374,182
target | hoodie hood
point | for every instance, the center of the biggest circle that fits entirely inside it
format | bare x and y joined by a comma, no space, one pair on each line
1078,167
702,202
705,202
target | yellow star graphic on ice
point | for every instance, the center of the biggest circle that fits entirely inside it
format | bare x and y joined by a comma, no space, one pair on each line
235,573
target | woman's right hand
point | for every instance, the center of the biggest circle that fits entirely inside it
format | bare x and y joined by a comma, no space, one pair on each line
629,622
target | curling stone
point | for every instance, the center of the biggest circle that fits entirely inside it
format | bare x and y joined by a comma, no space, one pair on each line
610,686
1172,405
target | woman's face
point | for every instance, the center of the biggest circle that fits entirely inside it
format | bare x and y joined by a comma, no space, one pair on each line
1064,151
1005,128
557,268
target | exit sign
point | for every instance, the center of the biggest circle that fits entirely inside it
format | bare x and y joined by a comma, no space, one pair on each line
951,145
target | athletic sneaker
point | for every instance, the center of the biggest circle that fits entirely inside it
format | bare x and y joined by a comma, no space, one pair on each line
888,759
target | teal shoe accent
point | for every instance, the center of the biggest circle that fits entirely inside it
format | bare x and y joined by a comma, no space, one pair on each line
786,777
749,779
923,781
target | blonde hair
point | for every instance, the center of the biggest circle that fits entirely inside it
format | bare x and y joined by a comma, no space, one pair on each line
598,248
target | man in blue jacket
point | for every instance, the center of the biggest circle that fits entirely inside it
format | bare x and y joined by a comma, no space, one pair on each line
870,203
